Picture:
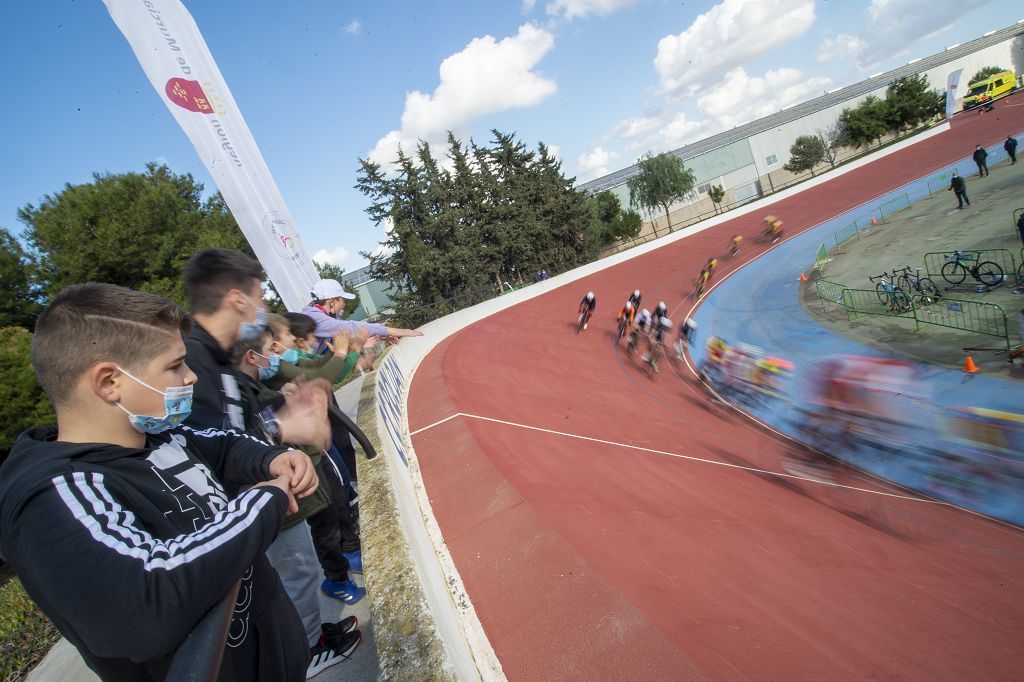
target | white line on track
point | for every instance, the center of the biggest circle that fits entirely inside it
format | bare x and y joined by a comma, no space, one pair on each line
675,455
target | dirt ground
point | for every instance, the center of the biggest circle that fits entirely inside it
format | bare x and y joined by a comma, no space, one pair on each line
934,225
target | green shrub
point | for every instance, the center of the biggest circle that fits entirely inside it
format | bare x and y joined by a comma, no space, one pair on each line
25,404
25,633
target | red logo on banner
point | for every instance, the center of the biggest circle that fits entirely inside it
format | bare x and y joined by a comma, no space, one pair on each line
188,95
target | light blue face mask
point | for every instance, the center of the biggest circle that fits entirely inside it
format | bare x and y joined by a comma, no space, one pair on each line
250,330
290,355
177,408
271,371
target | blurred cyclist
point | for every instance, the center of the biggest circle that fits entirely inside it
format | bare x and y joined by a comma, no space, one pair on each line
734,246
587,306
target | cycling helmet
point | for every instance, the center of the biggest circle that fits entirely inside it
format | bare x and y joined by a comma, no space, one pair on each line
636,292
666,323
662,306
590,295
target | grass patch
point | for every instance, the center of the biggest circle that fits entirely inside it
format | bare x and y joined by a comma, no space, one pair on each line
25,633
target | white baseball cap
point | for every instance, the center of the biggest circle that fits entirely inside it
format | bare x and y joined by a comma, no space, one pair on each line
330,288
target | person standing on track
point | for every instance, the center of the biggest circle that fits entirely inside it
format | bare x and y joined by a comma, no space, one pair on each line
1011,148
587,306
959,187
980,157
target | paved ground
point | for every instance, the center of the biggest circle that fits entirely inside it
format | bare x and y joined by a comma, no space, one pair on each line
612,525
933,225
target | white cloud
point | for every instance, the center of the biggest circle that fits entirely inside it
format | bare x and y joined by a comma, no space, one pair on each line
729,34
633,126
337,256
555,152
762,95
486,77
594,163
354,27
894,26
574,9
528,5
843,46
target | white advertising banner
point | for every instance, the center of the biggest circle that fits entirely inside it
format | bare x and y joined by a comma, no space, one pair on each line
952,83
178,63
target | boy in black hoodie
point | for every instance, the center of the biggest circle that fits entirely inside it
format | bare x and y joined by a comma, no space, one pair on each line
118,522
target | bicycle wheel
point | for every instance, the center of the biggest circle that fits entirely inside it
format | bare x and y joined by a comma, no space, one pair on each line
883,295
929,292
622,329
989,273
953,272
1020,273
903,282
900,301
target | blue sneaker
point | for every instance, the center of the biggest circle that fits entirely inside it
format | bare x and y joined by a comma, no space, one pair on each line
346,591
355,560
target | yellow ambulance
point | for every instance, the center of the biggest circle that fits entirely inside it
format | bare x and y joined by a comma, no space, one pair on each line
980,92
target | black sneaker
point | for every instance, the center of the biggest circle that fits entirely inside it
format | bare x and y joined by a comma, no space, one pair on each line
335,632
324,655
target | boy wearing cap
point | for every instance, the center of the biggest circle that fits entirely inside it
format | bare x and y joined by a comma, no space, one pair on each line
326,309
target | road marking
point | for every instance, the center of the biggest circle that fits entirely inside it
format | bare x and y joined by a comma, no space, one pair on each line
675,455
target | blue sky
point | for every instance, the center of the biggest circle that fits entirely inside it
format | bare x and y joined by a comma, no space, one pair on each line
324,83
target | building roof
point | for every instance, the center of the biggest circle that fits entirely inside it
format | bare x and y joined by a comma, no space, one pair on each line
817,104
357,277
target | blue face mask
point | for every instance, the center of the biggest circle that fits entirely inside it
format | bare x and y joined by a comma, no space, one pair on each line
177,408
291,355
250,330
271,371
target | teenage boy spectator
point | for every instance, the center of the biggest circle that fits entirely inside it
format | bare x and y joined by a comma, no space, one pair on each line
1011,148
119,523
299,568
326,309
959,187
333,367
225,295
980,157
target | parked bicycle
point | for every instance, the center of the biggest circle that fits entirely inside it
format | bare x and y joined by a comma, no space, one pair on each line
909,283
889,294
958,266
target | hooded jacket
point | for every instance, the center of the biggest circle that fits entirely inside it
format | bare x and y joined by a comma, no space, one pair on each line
125,549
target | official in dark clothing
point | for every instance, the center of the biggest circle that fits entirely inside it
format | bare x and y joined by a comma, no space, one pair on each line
980,158
959,188
1011,148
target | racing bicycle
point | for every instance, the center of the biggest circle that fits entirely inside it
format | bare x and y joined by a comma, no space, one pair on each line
584,319
958,266
909,283
889,294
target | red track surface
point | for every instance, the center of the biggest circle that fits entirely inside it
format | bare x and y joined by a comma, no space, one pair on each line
588,560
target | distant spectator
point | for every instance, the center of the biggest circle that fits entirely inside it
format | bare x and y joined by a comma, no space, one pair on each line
1020,227
1011,148
328,305
980,156
959,188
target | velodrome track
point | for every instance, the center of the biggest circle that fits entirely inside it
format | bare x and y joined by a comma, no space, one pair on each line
607,526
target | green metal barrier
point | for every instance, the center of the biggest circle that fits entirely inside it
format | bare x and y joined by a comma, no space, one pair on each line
820,258
846,233
969,316
934,261
1020,268
831,292
938,183
896,204
859,302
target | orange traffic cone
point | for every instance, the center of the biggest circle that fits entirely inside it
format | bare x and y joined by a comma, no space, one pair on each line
803,277
970,367
873,221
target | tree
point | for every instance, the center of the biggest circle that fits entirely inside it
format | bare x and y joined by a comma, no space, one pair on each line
864,123
806,152
717,195
137,230
985,72
662,181
25,404
910,102
19,304
831,141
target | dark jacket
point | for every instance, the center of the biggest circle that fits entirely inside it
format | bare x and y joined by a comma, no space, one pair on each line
1010,145
957,184
980,155
217,396
126,549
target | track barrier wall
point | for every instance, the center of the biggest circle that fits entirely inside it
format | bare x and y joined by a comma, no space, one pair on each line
934,261
846,233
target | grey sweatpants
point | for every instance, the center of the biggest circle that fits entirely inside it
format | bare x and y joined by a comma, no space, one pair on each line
293,556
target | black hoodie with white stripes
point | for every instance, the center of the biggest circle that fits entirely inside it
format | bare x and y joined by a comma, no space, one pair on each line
126,549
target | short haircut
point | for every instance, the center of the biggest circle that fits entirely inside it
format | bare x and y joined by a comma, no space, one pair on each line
300,325
92,322
256,343
277,324
212,273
